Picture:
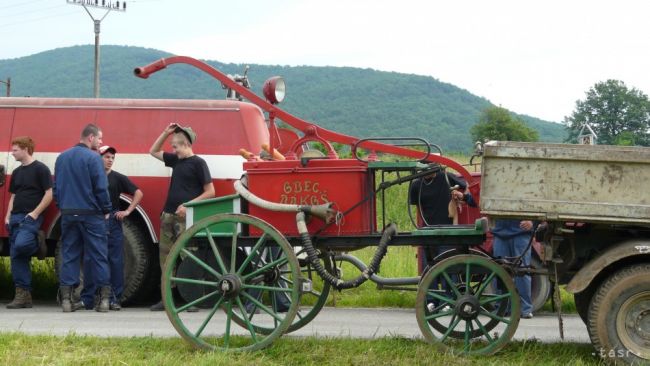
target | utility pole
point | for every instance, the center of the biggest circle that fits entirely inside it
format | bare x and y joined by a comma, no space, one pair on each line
97,22
8,84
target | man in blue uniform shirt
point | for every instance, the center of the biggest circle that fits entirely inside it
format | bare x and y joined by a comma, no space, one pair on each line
81,194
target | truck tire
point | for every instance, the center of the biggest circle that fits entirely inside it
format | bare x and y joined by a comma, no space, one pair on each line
136,261
582,300
540,286
619,316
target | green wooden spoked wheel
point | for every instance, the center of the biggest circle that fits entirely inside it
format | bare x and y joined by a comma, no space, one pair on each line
461,300
313,297
248,278
315,290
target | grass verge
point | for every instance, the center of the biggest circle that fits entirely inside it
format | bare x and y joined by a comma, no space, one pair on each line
20,349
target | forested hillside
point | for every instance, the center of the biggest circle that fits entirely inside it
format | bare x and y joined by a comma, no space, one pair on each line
354,101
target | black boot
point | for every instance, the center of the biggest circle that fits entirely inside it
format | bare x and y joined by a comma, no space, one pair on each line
66,302
103,305
23,299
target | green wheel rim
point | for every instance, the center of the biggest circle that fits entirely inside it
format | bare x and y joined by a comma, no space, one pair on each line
317,294
472,306
234,281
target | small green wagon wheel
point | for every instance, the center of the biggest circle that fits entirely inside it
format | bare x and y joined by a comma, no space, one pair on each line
235,279
454,313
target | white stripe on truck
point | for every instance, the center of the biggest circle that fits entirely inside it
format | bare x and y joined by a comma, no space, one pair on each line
145,165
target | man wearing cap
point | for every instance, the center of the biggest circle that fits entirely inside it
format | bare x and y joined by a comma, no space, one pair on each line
117,184
190,181
81,194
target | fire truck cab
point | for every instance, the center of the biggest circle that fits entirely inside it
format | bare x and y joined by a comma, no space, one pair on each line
223,128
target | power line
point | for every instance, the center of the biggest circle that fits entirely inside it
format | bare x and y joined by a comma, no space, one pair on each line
20,4
36,19
32,11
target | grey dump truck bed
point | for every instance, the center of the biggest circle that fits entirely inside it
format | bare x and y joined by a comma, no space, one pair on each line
563,182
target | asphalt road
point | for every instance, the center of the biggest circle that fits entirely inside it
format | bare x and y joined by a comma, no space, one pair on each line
330,322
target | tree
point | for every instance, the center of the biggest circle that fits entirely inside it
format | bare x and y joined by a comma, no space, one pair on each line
496,123
617,114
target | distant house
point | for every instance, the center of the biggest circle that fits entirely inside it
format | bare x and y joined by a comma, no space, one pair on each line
587,136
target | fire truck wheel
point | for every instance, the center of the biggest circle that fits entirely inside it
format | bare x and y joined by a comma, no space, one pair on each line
540,286
136,261
466,307
619,316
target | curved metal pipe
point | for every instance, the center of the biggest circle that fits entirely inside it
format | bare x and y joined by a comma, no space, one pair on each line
302,125
397,281
323,211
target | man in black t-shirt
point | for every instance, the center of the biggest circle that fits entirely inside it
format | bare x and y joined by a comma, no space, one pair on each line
191,181
31,193
117,184
432,194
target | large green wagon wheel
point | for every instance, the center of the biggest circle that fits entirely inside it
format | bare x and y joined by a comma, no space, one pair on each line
467,309
315,291
234,282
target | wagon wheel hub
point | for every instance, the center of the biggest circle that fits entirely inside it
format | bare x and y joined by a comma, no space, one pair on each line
230,285
468,307
272,276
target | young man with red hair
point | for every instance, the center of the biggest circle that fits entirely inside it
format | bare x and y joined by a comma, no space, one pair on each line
31,193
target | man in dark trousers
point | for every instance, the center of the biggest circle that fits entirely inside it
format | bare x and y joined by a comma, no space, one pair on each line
433,194
117,184
81,194
191,181
31,193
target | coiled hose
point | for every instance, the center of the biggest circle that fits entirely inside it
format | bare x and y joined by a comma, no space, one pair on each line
338,283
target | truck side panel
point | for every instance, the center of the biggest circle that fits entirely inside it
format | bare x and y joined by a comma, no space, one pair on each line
579,183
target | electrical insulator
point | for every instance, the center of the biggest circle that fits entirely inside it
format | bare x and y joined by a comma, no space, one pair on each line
124,5
117,5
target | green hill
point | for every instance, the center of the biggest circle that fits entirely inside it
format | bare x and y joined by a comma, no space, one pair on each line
354,101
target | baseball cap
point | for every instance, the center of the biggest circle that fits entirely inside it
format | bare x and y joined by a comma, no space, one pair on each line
104,149
188,132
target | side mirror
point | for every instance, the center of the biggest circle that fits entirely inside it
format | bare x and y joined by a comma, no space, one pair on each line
3,176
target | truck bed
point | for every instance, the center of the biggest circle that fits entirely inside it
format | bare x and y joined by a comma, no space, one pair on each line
564,182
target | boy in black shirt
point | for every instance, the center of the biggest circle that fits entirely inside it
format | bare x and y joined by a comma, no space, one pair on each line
31,193
191,181
117,184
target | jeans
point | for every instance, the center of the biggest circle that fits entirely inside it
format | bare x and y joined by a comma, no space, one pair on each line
115,265
514,247
23,243
85,234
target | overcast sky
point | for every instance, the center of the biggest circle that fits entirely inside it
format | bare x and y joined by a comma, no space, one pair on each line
532,57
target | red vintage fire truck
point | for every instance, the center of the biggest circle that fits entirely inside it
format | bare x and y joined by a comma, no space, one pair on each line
223,127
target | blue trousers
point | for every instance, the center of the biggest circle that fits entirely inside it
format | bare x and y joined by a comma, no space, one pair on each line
84,234
115,265
23,243
513,247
